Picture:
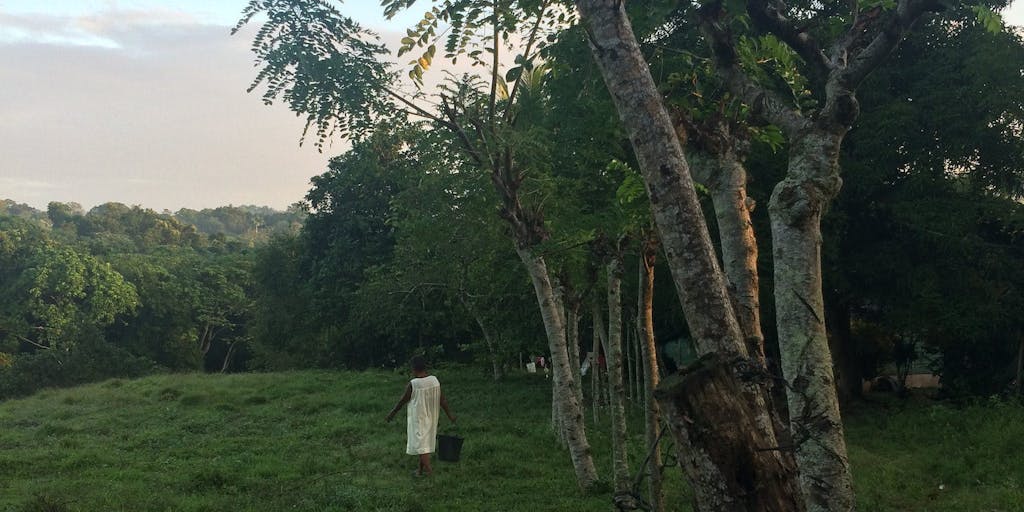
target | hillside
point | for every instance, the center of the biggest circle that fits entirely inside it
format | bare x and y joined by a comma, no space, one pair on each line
316,441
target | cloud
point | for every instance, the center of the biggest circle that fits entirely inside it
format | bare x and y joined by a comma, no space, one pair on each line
154,113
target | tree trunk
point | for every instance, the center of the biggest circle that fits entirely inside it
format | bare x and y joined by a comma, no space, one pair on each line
229,357
727,182
628,375
595,367
712,470
796,207
620,455
573,336
649,363
601,339
737,468
562,378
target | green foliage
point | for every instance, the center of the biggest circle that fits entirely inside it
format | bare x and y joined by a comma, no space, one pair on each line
254,223
52,293
927,233
774,65
190,303
322,64
988,18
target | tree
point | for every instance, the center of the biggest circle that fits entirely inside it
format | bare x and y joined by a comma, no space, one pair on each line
914,234
814,108
328,69
54,295
701,287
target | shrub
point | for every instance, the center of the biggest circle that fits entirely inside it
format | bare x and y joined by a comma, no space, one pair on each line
88,361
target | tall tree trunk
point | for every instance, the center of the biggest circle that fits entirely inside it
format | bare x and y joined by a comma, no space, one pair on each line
732,467
727,180
595,367
558,424
628,376
796,207
562,377
601,337
649,363
636,381
620,453
573,336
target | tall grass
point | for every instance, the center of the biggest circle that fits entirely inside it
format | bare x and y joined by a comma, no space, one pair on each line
317,441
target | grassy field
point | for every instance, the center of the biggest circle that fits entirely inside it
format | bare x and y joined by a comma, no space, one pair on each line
317,441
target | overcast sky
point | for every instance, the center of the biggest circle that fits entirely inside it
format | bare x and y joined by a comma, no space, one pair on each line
143,102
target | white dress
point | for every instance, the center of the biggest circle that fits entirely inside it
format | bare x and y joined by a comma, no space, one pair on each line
421,415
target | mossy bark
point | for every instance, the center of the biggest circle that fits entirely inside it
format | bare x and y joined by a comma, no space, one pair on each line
796,207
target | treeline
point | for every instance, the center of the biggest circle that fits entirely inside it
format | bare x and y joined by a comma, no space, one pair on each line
122,291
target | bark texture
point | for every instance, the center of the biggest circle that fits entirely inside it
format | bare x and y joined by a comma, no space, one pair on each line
796,207
620,453
737,470
651,377
572,315
595,368
726,178
564,393
698,279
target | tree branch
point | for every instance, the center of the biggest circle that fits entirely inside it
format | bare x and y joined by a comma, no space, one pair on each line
894,27
764,103
769,16
453,125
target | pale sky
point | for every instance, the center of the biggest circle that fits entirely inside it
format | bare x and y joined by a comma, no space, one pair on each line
143,102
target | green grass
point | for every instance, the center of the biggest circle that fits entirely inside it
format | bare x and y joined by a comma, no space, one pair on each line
919,455
317,441
311,441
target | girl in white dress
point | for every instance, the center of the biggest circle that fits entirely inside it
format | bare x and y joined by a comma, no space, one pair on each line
424,396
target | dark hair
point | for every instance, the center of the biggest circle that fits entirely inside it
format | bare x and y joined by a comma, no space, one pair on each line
419,364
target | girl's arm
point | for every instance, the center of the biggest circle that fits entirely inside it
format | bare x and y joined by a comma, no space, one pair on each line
444,405
401,401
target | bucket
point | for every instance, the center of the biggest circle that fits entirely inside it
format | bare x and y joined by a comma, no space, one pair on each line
449,447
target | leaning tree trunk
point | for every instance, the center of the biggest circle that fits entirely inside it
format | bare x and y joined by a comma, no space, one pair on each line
728,186
731,465
649,364
796,207
562,378
229,358
620,455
